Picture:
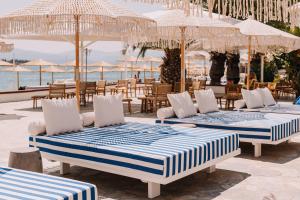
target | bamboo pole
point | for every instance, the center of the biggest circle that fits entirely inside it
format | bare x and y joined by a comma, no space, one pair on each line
182,52
77,75
249,63
40,75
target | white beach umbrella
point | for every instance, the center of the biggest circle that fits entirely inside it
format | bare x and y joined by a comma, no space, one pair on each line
175,25
17,69
262,35
76,20
54,69
41,63
151,60
101,67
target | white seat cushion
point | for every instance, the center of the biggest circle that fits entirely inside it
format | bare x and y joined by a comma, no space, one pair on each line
182,105
61,116
239,104
87,118
267,96
108,110
252,98
206,101
36,128
165,113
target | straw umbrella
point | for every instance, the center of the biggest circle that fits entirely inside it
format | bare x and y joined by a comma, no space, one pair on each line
41,63
101,65
17,69
52,70
175,25
76,21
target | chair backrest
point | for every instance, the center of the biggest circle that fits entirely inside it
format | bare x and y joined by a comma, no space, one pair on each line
233,88
101,84
272,86
91,86
149,81
133,82
162,89
196,85
122,83
57,90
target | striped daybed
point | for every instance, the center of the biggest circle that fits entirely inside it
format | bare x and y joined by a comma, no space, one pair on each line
152,153
278,109
23,185
254,127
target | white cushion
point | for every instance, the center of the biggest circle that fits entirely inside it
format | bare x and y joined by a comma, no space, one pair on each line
206,101
87,118
252,98
165,113
182,104
267,96
61,116
36,128
239,104
108,110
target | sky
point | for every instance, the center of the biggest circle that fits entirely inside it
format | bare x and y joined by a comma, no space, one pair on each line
57,47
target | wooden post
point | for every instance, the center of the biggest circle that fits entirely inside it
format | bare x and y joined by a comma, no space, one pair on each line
102,74
18,80
262,68
249,63
77,75
182,52
40,75
52,76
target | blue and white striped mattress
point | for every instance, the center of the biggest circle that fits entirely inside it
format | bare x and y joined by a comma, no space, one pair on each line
153,150
249,125
24,185
278,109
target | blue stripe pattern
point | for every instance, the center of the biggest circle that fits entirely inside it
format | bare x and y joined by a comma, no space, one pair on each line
150,149
249,125
19,184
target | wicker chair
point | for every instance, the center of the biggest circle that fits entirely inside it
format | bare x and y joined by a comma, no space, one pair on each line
91,89
57,91
233,93
159,97
133,86
122,86
101,87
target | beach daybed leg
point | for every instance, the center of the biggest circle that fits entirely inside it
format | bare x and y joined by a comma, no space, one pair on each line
211,169
153,190
64,168
257,150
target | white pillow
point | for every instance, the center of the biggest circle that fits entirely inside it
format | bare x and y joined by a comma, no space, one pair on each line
61,116
87,118
36,128
267,96
108,110
182,105
206,101
239,104
165,113
252,98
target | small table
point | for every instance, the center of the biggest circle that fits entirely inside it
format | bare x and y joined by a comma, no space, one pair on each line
35,100
26,159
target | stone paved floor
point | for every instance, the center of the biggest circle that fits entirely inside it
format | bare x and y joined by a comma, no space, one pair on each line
276,175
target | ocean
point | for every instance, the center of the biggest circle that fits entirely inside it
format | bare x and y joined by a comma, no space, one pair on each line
8,80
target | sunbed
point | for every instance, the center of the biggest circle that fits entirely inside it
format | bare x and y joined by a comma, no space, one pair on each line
254,127
278,108
152,153
24,185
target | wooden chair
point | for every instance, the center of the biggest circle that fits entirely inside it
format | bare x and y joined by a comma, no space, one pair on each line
122,86
232,93
101,87
133,86
91,90
159,97
57,91
273,88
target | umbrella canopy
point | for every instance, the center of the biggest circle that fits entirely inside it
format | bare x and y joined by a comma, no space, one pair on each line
17,69
103,64
74,20
5,47
7,64
175,25
40,63
54,69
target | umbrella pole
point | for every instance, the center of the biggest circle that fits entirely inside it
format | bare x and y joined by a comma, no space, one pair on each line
102,74
262,69
77,75
40,75
249,63
182,50
52,76
18,80
151,69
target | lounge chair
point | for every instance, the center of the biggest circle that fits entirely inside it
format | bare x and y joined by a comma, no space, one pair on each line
152,153
20,184
253,127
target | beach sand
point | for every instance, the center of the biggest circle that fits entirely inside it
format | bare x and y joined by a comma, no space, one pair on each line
276,175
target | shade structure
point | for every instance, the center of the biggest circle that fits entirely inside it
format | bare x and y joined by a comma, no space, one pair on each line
17,69
102,65
151,60
259,34
41,63
54,69
77,20
175,25
261,10
6,47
